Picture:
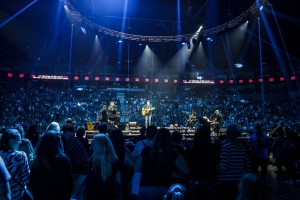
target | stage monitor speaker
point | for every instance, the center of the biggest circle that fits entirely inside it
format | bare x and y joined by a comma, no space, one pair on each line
132,124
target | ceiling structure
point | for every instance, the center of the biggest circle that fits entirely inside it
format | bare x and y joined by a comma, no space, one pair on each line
58,36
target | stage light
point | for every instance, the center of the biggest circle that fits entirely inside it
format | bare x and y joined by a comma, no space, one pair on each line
188,44
32,75
137,79
166,80
175,81
9,75
197,77
184,81
271,79
117,79
22,75
156,80
261,7
250,80
86,78
97,78
281,78
65,77
212,81
107,78
230,81
221,81
241,81
76,78
84,30
147,80
293,78
127,79
260,80
238,65
140,44
120,41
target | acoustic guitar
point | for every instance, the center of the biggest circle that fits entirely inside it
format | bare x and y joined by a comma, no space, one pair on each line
146,111
90,126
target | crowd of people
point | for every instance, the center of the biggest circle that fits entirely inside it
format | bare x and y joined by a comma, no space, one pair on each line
63,164
44,147
39,105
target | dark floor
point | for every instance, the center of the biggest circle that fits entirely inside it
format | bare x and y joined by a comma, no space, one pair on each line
282,189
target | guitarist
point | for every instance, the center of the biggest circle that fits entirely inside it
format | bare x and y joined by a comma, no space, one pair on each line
148,116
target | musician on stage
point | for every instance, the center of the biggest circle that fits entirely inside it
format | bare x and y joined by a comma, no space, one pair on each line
217,119
103,114
215,123
113,114
192,119
148,113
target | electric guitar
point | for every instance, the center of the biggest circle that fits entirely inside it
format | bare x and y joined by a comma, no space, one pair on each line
146,111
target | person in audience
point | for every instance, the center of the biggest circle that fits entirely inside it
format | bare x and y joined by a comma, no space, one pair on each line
177,142
176,191
103,171
252,188
156,163
81,135
75,150
140,145
68,133
102,128
25,144
33,135
234,163
278,151
125,159
141,136
203,165
4,182
51,170
259,144
291,148
54,128
16,162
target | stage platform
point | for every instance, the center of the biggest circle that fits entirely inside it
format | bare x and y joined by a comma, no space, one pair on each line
133,132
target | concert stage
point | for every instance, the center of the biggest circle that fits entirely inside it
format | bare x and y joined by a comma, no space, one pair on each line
131,133
187,133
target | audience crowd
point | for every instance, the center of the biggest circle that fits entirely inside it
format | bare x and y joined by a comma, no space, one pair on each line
40,105
45,150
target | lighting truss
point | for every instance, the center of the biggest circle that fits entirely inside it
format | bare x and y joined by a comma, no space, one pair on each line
172,38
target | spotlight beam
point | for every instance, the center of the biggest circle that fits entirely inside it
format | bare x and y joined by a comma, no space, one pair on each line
18,13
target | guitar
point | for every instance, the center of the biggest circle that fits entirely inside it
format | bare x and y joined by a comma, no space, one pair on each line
89,124
146,111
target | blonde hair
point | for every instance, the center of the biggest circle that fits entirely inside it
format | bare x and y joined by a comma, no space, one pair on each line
104,155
